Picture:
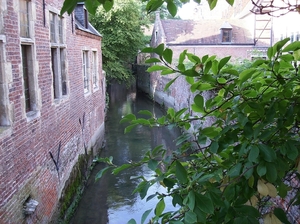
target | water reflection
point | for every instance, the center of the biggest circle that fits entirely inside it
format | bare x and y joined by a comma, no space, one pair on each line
110,200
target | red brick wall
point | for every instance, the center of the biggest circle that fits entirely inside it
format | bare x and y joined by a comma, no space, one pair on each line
26,168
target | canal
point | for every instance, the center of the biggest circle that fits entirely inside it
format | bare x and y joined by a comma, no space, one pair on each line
110,200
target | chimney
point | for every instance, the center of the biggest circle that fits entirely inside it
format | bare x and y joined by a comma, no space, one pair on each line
157,15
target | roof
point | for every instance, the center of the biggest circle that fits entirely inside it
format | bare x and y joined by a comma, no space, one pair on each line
189,32
80,19
90,28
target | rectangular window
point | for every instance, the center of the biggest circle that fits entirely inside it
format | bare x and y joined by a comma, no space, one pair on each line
226,35
27,74
95,70
4,120
52,28
58,58
24,18
292,37
85,62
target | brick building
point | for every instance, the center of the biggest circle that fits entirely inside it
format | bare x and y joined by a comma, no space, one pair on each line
50,77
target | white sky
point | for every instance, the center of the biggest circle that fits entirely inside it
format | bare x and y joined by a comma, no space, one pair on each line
186,12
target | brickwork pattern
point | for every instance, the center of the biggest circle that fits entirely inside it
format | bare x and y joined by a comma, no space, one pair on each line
26,168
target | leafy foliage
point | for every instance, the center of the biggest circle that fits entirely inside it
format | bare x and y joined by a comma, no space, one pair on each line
228,172
151,5
122,37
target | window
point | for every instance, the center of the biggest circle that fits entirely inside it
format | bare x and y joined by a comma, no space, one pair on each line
85,62
297,36
28,78
58,58
95,70
4,115
226,35
292,37
24,18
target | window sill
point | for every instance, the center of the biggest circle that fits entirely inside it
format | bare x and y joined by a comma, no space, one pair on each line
31,115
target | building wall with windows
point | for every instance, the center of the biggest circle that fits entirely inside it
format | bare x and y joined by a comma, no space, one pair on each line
50,78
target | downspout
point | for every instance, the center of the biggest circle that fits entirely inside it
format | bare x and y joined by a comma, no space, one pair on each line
72,22
44,12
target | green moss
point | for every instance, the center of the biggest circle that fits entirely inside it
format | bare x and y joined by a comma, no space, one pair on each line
74,187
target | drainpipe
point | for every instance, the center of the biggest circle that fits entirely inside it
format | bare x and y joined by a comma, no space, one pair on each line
44,12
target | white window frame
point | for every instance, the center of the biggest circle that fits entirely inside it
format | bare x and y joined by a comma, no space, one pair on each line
85,71
28,42
223,30
95,70
58,56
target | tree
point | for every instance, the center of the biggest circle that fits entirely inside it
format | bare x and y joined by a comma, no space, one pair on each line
231,171
122,37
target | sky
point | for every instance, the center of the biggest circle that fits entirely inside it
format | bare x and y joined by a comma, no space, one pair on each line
186,12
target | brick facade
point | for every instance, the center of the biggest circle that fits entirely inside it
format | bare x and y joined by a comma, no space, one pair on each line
26,138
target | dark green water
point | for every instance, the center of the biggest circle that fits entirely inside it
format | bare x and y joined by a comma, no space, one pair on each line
110,200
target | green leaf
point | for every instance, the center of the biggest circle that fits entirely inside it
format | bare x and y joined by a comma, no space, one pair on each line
214,67
210,132
146,112
181,173
167,71
205,86
247,210
152,164
190,73
91,6
68,6
120,168
281,215
190,217
147,50
271,172
131,221
223,61
170,83
235,170
101,172
270,52
182,57
199,101
142,188
152,60
145,215
168,55
261,169
230,2
154,68
246,74
267,152
292,47
160,207
159,49
191,200
254,152
204,203
172,8
221,80
108,4
128,118
214,147
212,4
129,128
